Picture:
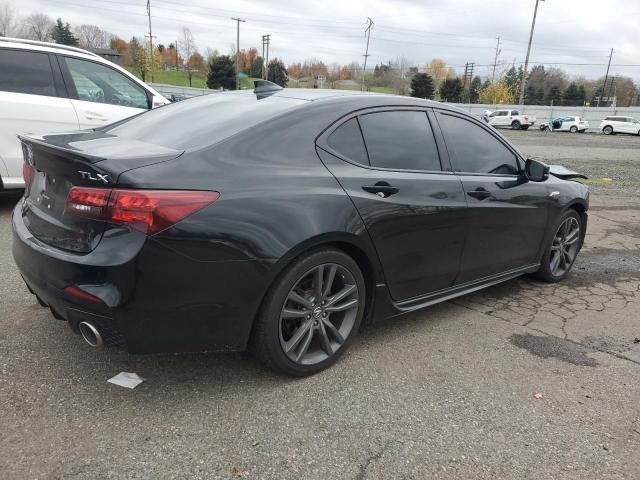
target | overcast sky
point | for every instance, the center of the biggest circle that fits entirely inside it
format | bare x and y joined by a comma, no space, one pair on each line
458,31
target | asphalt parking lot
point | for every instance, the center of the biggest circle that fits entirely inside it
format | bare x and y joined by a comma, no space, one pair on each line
523,380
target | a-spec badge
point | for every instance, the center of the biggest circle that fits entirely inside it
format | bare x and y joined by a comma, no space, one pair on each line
98,177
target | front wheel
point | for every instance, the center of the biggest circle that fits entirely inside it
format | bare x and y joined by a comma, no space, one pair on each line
311,314
608,130
515,125
563,249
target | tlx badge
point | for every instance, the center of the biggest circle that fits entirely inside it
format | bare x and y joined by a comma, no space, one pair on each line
94,177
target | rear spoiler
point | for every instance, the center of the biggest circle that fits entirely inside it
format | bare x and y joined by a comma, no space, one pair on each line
564,173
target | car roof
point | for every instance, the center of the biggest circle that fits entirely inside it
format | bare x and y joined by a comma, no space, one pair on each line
37,46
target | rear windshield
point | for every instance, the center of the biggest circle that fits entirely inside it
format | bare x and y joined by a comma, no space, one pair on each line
202,121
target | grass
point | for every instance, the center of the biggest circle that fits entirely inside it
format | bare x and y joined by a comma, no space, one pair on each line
180,79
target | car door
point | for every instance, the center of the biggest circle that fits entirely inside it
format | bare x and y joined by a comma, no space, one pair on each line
388,162
32,100
507,215
100,94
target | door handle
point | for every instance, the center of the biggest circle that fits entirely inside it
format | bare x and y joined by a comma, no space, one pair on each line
95,116
382,189
479,193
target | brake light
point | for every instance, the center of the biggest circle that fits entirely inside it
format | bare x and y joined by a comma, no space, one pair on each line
149,211
27,173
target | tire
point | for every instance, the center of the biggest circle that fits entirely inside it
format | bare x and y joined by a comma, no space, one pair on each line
556,248
515,125
292,316
573,129
608,130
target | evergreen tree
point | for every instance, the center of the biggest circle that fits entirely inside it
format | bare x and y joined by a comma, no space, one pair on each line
422,86
582,95
554,97
256,67
451,90
571,96
222,73
476,86
277,73
513,78
531,96
61,33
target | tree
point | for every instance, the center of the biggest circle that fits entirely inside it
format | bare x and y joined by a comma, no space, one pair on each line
497,93
195,63
439,71
138,58
533,96
277,73
37,26
8,26
554,97
571,96
92,36
222,73
476,86
451,90
582,94
422,86
256,67
187,47
61,33
513,79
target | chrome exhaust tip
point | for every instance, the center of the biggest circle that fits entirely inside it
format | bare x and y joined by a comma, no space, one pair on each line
90,334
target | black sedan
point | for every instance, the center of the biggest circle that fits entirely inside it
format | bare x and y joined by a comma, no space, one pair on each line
280,220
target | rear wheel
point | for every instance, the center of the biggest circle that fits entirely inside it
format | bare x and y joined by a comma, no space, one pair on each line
563,249
311,314
573,129
608,130
515,125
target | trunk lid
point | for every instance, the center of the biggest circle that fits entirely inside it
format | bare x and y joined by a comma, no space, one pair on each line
54,164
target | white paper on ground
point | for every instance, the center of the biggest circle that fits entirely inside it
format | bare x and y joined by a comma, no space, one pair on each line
126,379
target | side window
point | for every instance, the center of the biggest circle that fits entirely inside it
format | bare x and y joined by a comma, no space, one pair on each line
474,150
26,72
98,83
400,140
347,141
515,112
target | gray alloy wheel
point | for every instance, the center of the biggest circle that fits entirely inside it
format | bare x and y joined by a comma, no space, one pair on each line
515,125
565,246
608,130
318,314
573,129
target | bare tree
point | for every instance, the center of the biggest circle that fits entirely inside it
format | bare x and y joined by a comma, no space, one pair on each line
187,49
92,36
37,26
8,26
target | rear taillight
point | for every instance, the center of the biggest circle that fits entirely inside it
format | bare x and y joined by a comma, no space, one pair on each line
150,211
27,173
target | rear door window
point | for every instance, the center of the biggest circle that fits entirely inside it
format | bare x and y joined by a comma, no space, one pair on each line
400,140
26,72
474,150
347,141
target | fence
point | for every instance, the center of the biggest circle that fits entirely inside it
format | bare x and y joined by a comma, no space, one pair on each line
545,113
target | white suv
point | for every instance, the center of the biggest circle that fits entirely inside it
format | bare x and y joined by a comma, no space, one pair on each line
613,125
45,87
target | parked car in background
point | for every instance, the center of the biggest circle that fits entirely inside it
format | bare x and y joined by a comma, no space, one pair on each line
46,87
616,124
566,124
283,221
510,118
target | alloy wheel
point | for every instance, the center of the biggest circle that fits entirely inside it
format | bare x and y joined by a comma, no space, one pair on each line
564,247
318,314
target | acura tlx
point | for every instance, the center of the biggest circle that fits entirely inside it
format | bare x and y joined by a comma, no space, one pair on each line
281,219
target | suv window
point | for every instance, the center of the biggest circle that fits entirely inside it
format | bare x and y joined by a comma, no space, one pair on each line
26,72
475,150
98,83
514,112
400,140
347,141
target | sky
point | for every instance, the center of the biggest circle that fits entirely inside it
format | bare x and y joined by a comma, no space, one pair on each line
576,35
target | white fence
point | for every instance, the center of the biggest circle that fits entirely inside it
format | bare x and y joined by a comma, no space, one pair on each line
544,113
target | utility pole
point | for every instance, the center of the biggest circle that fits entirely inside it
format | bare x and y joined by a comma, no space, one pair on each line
495,61
606,76
238,20
366,53
468,76
523,83
150,40
266,39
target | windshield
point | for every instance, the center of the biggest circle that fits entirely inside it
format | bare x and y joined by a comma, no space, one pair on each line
203,120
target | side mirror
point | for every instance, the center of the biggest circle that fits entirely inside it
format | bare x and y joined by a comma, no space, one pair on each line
536,171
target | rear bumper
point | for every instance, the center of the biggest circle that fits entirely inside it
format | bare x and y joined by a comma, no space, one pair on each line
155,299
